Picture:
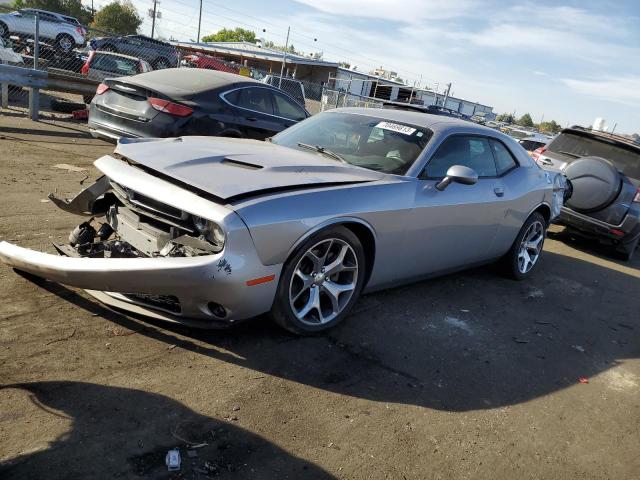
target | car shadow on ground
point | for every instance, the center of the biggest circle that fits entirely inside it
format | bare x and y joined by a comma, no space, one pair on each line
106,427
467,341
588,245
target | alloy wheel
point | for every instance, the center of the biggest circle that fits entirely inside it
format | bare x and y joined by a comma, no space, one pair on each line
323,281
530,247
66,43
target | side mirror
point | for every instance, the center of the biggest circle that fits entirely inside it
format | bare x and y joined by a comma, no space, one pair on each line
458,174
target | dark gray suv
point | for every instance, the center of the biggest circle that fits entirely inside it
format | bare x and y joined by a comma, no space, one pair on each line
604,170
159,54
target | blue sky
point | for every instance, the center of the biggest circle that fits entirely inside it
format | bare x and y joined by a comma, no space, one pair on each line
570,61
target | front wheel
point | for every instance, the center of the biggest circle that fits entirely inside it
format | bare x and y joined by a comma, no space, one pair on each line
525,252
4,31
320,282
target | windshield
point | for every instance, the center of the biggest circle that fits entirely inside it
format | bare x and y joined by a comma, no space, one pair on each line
361,140
626,159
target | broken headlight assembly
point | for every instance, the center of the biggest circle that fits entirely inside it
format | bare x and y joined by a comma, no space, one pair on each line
211,231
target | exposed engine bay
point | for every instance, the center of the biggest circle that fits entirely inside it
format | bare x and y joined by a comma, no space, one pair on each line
135,226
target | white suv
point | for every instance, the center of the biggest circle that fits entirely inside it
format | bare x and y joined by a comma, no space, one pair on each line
65,32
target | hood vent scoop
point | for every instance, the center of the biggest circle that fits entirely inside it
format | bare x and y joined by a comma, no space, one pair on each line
237,163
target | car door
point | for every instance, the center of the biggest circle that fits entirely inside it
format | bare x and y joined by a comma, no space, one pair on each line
24,23
254,114
288,110
457,226
50,25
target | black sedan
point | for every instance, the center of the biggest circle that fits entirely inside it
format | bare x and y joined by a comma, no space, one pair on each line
189,101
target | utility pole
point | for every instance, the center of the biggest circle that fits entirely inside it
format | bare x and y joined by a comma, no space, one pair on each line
284,56
446,95
153,18
199,22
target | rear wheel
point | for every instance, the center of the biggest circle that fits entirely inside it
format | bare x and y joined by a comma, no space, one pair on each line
65,43
161,63
320,282
627,252
4,31
525,252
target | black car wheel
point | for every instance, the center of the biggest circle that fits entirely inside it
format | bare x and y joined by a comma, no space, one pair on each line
65,43
4,31
320,282
525,252
627,251
161,63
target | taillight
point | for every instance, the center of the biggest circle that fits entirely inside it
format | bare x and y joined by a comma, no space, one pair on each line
101,89
169,107
537,152
637,197
79,31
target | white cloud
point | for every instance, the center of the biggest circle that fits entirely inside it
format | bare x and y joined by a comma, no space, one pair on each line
409,11
625,90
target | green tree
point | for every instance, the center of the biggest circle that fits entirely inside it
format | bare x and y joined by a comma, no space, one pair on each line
228,35
505,117
525,121
549,127
73,8
289,49
119,17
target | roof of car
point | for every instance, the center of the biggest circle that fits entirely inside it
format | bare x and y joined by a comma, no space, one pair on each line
182,82
114,54
419,119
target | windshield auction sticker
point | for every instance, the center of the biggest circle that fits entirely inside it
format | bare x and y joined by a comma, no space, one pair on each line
396,127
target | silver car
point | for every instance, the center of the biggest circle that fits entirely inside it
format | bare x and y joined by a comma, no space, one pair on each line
208,231
64,32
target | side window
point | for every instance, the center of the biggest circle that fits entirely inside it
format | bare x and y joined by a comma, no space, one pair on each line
504,159
256,99
287,108
472,152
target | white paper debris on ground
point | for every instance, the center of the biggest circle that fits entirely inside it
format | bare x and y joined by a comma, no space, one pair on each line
578,348
535,293
71,168
173,460
457,323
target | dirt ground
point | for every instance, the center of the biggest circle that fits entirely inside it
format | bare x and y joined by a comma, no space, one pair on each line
470,376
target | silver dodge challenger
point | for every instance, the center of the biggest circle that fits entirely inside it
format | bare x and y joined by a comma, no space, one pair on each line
208,231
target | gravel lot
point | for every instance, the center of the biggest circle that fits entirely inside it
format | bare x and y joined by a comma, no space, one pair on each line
467,376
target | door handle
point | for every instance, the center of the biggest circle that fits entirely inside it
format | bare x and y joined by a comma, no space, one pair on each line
251,119
544,161
499,191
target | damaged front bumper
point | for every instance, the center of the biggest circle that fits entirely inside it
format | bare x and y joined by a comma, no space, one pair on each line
164,272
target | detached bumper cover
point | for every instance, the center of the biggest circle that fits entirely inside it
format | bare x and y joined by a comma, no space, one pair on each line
195,281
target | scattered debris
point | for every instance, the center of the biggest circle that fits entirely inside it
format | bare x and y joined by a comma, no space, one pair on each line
171,347
457,323
583,379
63,338
542,322
520,340
535,293
71,168
80,114
173,460
465,311
578,348
235,408
44,200
86,177
199,445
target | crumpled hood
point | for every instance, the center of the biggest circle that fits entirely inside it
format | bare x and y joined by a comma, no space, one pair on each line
230,168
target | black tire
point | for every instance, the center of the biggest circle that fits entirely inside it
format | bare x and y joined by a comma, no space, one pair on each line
510,263
161,63
282,312
65,43
4,31
627,251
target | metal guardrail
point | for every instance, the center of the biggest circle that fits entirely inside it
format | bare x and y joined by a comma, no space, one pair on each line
52,79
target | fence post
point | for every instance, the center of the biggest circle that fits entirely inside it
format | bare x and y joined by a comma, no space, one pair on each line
5,93
34,93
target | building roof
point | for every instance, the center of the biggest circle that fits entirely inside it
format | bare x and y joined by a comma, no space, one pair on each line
373,77
251,50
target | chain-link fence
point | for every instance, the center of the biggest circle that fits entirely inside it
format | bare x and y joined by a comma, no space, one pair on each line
81,57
